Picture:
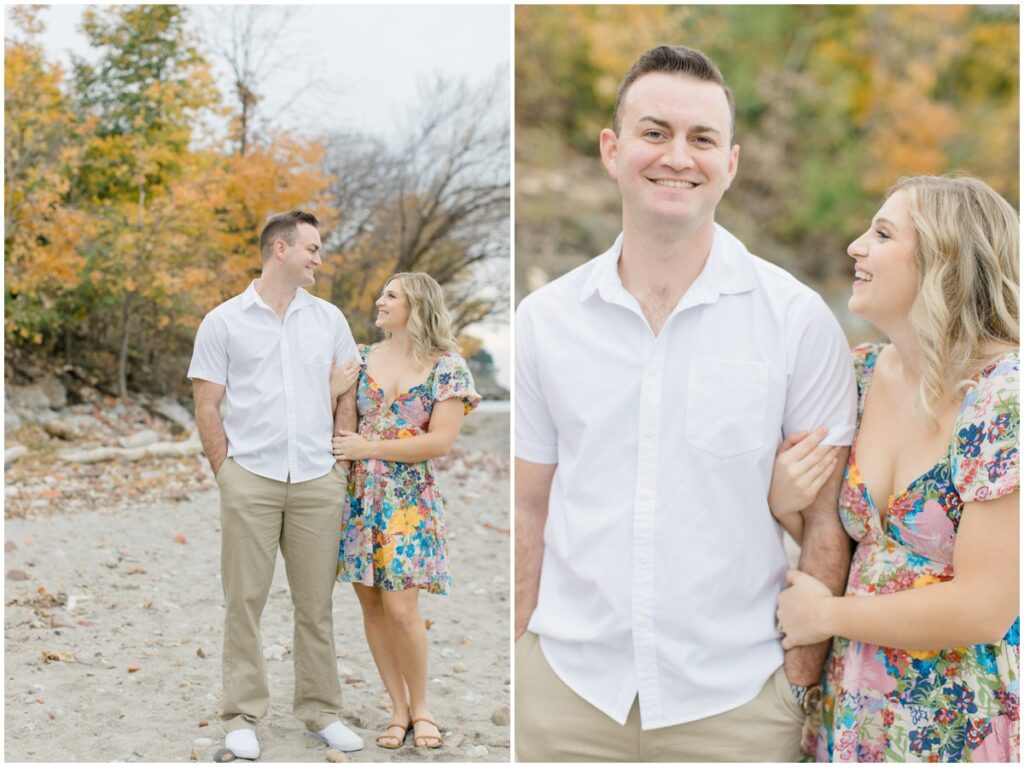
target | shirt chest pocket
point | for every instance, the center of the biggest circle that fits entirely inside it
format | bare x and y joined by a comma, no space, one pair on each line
316,349
726,406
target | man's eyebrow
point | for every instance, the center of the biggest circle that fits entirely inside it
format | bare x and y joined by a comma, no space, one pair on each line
694,129
655,120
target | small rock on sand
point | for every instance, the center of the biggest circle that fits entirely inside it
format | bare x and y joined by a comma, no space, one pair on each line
223,755
202,742
477,751
57,621
501,716
454,741
9,547
17,575
460,668
334,755
60,429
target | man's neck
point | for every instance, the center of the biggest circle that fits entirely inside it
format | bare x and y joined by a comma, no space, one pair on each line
275,294
663,260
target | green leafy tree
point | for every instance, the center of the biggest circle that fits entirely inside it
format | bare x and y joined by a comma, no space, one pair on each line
145,185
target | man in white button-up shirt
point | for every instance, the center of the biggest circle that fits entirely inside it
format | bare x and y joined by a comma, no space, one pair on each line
653,386
268,353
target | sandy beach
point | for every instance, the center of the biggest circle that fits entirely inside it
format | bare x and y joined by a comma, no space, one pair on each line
114,613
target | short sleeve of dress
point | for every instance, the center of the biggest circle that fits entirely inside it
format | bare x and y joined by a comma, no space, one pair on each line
864,358
986,438
452,380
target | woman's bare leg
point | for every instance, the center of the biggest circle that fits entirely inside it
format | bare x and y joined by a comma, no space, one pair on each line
382,647
410,642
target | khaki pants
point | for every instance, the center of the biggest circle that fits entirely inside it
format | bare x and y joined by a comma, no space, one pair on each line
554,724
257,515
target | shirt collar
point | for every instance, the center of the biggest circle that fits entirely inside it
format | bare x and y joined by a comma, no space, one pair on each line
728,270
251,297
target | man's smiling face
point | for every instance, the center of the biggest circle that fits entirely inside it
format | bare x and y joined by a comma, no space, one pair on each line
673,157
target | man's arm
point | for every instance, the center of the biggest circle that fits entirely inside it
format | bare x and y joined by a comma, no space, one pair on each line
825,554
208,396
532,490
346,417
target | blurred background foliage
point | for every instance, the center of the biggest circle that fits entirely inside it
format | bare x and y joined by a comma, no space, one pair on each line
834,104
135,191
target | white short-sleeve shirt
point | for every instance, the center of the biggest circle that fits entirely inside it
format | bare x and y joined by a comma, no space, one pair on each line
278,418
662,561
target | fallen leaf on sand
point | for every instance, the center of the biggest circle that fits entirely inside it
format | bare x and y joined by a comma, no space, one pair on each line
180,539
49,657
427,623
200,653
204,723
133,669
496,528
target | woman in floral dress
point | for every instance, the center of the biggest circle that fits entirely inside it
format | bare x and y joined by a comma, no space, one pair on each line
925,663
412,394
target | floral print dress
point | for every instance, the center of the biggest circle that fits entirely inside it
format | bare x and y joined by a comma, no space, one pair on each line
393,525
952,705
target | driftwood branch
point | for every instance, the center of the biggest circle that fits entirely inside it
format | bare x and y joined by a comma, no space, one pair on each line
13,453
191,446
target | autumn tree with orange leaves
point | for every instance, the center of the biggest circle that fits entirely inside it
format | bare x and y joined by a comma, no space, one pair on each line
131,212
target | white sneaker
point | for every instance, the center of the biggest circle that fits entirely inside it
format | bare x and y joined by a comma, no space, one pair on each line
336,735
242,743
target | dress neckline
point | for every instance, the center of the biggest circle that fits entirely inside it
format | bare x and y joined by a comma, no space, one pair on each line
884,523
405,393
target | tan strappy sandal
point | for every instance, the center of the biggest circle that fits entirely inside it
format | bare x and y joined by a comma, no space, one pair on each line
394,741
416,739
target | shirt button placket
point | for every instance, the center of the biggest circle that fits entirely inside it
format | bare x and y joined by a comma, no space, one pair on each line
644,516
289,402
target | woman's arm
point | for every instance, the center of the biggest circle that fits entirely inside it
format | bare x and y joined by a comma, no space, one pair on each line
801,468
342,382
976,607
445,424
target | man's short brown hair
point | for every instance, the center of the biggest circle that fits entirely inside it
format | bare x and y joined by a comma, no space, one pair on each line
284,226
678,59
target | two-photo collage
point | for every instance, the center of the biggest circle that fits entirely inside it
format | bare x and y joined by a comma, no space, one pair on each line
490,383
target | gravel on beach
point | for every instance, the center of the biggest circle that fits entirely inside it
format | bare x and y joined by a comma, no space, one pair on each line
114,614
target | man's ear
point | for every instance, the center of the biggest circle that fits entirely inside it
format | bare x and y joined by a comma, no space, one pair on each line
609,143
734,161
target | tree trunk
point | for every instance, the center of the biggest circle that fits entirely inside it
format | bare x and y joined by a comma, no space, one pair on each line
122,355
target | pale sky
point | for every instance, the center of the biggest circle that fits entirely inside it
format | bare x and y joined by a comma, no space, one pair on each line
366,62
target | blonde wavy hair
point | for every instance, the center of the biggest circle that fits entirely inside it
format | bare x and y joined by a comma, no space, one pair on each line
430,322
966,246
